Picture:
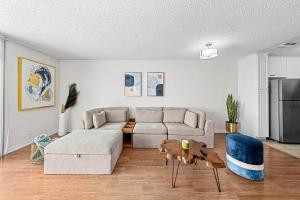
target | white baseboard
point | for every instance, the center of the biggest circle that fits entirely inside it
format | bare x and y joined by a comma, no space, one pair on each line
21,145
18,146
220,131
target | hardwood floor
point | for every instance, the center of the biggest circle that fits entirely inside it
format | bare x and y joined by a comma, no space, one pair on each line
141,174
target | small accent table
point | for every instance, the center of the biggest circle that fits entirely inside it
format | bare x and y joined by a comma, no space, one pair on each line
197,151
127,133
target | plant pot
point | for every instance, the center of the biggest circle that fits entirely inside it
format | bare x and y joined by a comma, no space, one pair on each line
62,125
231,127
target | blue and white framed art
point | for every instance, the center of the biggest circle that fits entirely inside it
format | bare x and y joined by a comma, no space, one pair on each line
133,84
155,84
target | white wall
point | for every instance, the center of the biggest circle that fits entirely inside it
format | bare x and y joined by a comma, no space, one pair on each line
202,84
22,127
248,94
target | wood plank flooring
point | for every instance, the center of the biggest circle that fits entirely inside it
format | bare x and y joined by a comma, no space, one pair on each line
141,174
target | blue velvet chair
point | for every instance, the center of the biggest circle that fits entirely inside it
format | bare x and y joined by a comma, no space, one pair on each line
245,156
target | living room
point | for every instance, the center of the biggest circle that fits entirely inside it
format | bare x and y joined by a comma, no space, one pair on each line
149,99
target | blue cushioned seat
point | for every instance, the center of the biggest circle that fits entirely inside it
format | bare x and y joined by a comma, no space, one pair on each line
245,156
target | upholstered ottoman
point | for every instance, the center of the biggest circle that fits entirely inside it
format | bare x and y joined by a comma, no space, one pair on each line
245,156
91,151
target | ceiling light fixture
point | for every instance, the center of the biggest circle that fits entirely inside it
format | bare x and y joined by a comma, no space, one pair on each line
209,52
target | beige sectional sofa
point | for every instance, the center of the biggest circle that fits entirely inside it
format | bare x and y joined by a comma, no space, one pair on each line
155,124
96,147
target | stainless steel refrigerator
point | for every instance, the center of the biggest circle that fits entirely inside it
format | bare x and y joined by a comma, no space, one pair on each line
285,110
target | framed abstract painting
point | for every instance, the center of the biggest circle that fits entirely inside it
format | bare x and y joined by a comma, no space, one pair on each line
133,84
155,84
36,84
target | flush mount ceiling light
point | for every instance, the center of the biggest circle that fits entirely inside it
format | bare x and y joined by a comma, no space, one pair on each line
209,52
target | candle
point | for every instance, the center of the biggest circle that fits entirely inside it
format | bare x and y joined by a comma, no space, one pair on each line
185,144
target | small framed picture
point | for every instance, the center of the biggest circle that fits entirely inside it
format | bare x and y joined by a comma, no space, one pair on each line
155,83
133,84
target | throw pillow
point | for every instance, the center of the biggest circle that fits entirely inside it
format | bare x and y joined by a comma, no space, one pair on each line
99,119
88,117
190,119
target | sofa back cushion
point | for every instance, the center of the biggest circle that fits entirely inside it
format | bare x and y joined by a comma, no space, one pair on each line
99,119
174,115
88,117
148,115
191,119
201,117
115,115
119,108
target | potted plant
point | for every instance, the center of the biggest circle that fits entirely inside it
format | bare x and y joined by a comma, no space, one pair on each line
71,101
232,110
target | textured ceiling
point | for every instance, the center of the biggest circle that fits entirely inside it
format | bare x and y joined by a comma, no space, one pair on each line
148,29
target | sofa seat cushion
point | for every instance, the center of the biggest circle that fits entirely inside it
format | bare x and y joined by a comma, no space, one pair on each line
92,141
150,128
183,129
113,126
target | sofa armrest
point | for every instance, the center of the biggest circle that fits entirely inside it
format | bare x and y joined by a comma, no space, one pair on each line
209,127
81,124
209,133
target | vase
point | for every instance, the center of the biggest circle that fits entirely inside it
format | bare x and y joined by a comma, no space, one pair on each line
62,125
231,127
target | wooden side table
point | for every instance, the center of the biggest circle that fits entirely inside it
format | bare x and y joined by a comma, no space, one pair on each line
127,133
197,151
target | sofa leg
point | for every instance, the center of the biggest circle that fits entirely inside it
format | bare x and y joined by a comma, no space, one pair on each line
166,161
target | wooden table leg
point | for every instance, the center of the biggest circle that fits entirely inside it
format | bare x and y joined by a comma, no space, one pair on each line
215,170
174,178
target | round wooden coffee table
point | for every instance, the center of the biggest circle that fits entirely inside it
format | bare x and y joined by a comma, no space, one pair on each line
197,151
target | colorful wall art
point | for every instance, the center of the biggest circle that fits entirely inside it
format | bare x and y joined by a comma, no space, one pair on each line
36,84
155,84
133,84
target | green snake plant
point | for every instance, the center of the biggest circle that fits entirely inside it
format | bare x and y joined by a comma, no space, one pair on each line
72,98
232,109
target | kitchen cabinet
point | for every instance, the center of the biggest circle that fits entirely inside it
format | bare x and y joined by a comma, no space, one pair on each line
293,67
277,66
263,70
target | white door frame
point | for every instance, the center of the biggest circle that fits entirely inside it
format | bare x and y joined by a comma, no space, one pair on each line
2,85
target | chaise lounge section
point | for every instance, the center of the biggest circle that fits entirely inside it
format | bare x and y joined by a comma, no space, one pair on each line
84,152
91,150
